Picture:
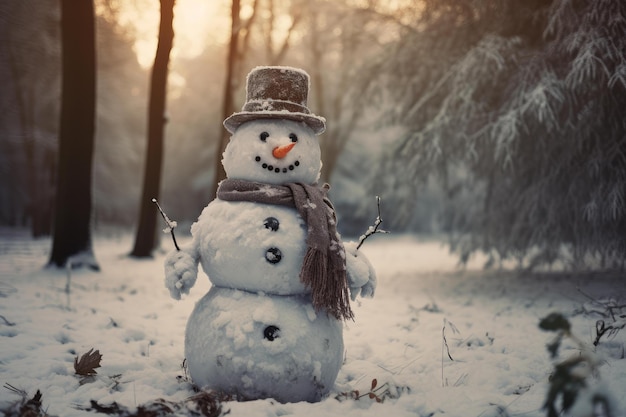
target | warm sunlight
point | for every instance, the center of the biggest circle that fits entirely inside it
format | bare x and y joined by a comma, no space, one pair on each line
196,22
489,136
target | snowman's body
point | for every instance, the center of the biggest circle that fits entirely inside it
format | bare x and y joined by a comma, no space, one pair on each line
256,333
251,246
260,346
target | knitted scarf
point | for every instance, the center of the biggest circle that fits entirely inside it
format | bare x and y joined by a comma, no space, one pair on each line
324,266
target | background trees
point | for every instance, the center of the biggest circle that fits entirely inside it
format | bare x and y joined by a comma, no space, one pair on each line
30,34
521,126
496,122
157,118
29,114
72,219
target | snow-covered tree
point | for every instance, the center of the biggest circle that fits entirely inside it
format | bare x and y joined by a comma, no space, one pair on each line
518,109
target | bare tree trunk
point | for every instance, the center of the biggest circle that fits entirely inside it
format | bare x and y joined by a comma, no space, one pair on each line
72,229
145,240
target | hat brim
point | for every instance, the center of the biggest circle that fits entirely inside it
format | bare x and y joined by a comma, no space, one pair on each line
316,123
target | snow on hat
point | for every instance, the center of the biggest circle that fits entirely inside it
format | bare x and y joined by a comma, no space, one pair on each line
276,93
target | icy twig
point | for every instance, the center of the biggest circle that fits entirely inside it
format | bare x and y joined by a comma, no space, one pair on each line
608,309
15,390
170,223
7,322
444,345
374,228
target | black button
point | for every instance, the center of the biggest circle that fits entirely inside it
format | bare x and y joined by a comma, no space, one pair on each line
273,255
271,332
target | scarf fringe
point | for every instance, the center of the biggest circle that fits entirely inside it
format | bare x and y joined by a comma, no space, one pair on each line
329,289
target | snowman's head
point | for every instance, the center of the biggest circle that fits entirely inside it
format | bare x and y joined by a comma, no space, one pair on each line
273,151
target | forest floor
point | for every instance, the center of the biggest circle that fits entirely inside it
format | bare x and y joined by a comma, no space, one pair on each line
437,339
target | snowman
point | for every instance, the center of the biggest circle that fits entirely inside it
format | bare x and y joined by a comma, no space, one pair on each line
271,326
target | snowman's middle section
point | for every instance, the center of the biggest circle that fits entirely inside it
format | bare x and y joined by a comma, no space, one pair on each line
256,333
251,246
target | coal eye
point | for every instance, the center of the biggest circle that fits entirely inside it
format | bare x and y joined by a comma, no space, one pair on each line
293,137
263,136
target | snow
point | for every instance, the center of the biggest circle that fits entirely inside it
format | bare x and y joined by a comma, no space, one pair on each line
500,361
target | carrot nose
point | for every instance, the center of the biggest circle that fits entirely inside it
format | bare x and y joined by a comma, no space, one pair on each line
281,151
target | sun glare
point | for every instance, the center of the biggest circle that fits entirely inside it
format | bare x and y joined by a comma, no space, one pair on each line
196,23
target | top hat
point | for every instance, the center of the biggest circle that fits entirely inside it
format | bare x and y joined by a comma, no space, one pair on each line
276,93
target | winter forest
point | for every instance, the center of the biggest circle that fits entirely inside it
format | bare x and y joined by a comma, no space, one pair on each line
500,125
494,133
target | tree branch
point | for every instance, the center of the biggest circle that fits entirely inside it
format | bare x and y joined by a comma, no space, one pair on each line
170,223
374,228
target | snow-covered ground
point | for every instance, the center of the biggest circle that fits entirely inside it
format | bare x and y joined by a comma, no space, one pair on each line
497,365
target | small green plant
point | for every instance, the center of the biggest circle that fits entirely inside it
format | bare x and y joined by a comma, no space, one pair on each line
569,380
